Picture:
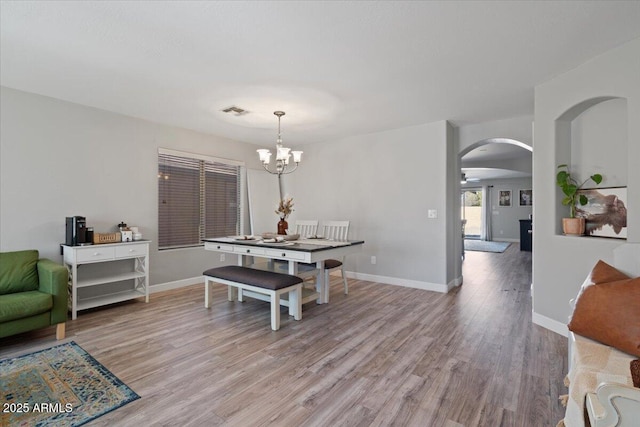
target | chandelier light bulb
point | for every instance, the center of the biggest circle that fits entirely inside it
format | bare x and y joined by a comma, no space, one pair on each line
265,155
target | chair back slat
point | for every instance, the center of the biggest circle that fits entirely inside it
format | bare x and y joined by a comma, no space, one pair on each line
335,230
306,228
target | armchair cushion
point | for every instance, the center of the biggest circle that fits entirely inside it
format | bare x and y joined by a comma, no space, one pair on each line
18,272
33,293
24,304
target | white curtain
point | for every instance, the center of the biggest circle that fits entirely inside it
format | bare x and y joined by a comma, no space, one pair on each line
486,213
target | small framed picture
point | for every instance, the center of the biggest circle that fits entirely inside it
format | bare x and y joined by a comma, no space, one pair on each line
504,198
605,213
526,198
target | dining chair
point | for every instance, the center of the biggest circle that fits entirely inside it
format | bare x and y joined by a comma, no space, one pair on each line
306,227
335,230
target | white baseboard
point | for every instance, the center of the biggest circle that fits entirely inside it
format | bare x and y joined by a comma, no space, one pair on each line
427,286
455,283
175,284
548,323
408,283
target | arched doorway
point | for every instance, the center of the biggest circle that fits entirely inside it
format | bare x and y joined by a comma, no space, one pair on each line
495,172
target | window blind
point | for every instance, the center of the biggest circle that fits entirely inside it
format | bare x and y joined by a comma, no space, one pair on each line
198,197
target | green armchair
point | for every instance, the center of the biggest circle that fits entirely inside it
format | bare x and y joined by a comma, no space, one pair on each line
33,293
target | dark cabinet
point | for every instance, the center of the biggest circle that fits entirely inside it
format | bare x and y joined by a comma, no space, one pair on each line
526,234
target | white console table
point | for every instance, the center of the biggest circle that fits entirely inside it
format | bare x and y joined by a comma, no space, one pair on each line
77,256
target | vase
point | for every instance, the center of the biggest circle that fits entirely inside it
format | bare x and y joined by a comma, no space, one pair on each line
573,226
282,226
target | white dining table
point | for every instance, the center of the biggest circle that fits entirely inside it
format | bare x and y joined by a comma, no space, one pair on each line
295,252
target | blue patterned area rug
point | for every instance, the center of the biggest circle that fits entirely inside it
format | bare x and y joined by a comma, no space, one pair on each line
485,246
59,386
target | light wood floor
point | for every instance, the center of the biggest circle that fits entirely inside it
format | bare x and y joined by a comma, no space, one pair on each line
381,356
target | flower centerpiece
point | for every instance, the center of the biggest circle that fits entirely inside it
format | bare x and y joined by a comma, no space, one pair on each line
285,207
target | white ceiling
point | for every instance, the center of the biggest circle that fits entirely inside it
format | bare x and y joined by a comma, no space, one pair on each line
498,161
474,175
496,151
337,68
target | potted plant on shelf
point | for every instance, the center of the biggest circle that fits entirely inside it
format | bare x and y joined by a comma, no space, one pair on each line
573,226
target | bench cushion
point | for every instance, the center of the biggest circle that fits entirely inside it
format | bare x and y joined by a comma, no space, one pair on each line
253,277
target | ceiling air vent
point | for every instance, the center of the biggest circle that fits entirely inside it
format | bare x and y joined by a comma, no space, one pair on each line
235,110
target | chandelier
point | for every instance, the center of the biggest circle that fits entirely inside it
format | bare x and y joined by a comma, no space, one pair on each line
283,154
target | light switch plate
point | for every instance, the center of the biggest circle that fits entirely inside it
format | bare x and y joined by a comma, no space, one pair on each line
432,213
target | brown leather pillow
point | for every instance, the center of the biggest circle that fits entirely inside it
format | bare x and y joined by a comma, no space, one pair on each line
601,273
604,273
610,313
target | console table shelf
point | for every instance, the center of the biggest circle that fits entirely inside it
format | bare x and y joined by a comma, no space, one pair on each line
113,298
110,279
76,256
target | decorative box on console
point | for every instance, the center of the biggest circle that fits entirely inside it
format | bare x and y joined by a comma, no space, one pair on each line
99,238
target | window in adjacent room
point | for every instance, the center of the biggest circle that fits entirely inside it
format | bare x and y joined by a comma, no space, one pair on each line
198,197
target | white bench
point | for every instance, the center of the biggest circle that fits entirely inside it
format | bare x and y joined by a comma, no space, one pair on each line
259,281
600,383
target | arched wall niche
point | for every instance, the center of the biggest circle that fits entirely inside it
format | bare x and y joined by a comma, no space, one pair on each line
591,137
583,106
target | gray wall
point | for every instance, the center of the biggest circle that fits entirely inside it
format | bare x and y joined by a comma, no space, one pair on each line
385,183
61,159
605,138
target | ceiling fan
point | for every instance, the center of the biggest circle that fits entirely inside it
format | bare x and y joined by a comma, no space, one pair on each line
464,179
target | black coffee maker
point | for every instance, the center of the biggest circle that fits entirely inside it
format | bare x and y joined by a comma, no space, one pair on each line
76,231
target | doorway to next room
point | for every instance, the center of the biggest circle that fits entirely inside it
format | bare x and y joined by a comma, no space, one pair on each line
472,218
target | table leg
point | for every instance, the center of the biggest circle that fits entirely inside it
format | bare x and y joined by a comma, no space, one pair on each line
207,293
322,285
293,268
243,261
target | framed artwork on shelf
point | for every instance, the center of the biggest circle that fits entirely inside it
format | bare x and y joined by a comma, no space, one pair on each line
525,197
605,213
504,198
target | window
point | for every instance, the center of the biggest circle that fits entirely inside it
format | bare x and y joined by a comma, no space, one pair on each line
198,197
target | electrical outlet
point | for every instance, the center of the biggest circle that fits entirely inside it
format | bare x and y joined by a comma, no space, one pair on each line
432,213
221,257
373,259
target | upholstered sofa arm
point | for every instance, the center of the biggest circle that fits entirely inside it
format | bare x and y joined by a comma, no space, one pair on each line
53,280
